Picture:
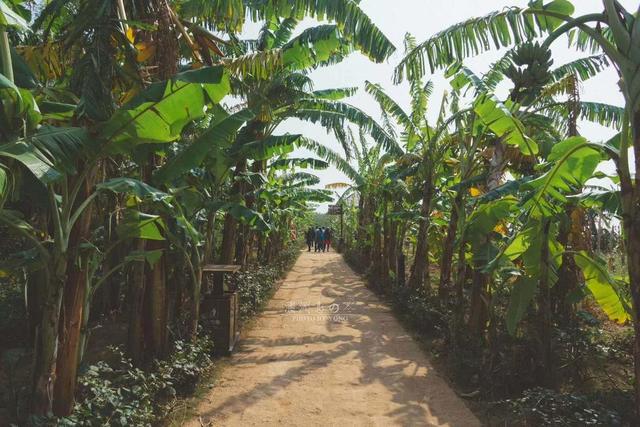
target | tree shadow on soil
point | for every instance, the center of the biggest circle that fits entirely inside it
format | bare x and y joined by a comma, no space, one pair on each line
388,354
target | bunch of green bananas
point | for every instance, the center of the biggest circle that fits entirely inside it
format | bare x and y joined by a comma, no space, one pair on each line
529,71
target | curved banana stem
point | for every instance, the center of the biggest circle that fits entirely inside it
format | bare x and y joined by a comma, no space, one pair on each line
5,55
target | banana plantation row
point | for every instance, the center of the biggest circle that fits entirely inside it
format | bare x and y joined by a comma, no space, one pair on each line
139,143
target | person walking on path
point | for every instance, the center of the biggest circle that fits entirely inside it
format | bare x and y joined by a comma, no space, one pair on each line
322,239
319,239
327,239
309,238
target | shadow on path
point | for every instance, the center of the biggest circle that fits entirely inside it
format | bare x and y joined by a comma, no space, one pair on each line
326,351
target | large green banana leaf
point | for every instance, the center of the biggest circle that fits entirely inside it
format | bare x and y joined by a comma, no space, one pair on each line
159,113
573,163
219,134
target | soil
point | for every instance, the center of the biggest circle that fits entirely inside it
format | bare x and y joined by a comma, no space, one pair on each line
327,352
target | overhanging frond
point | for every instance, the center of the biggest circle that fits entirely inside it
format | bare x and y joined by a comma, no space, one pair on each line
347,14
511,26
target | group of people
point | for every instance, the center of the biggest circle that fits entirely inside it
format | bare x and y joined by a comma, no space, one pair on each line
319,238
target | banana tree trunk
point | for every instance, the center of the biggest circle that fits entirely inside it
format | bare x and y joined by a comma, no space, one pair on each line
46,345
155,322
241,241
362,236
420,267
390,243
461,275
573,238
69,341
544,313
72,314
227,250
148,310
135,338
446,262
5,55
246,236
387,237
480,299
376,253
632,229
111,289
630,194
208,254
194,312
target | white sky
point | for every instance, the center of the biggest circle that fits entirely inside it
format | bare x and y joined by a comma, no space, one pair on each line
423,18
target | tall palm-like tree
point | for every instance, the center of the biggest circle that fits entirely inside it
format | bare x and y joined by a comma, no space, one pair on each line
427,143
617,40
285,91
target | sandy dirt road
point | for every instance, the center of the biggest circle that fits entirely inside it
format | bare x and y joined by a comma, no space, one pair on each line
327,352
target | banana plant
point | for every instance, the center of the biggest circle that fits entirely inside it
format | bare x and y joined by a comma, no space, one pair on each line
621,43
62,159
610,31
285,91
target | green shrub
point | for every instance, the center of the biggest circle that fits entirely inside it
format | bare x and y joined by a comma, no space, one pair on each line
187,363
419,310
541,406
13,321
117,394
256,284
254,288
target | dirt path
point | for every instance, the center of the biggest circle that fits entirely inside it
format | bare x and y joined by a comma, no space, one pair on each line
301,365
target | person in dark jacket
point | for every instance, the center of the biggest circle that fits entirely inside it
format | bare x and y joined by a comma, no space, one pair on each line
322,239
309,238
327,239
319,239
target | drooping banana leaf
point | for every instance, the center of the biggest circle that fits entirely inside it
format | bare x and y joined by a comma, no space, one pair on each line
573,163
28,156
604,288
497,117
500,29
246,215
136,188
522,293
141,226
218,135
335,94
606,200
274,145
354,24
159,113
10,18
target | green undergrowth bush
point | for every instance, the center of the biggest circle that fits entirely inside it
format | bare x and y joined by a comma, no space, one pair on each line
418,310
356,260
116,393
540,406
592,360
256,284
